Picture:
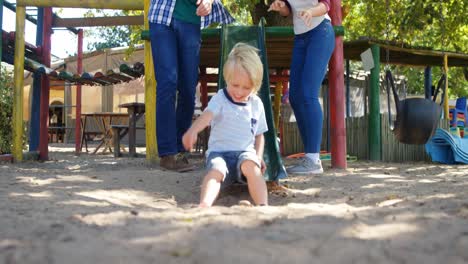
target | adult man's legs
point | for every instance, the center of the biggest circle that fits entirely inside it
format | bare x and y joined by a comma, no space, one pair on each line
188,51
164,50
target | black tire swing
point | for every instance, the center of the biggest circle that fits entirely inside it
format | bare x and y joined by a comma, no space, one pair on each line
416,118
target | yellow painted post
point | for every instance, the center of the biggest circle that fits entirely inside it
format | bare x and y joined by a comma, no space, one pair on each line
150,97
277,107
101,4
19,83
446,104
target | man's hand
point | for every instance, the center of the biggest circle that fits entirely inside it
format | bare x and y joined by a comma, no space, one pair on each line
204,7
277,5
189,139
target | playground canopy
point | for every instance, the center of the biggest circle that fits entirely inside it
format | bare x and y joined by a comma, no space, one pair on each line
279,43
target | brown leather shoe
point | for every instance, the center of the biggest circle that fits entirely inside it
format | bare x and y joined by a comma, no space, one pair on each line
170,162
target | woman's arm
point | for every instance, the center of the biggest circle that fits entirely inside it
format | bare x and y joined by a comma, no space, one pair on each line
318,10
280,6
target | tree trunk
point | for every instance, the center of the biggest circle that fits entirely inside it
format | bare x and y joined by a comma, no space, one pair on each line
272,18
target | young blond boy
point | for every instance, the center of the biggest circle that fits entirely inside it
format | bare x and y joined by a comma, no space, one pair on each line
237,119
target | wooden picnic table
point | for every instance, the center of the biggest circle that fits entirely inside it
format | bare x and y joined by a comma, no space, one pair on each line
104,122
135,111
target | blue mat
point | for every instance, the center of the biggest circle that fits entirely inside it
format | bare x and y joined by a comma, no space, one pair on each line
445,148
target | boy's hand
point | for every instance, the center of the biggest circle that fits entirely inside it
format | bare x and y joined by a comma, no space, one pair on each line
306,16
204,7
263,166
277,5
189,139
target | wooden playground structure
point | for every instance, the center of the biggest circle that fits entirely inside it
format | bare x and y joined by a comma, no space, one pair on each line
280,39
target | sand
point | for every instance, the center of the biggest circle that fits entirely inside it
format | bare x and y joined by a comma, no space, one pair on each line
98,209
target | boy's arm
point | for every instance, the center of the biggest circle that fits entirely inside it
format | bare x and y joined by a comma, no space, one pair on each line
190,137
259,147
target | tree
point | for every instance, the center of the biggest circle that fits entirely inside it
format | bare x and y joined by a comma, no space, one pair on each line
438,25
113,36
6,104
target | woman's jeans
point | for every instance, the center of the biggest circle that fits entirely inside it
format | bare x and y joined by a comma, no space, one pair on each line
311,53
176,55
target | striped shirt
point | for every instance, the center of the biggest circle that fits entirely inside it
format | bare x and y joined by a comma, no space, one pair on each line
160,12
235,125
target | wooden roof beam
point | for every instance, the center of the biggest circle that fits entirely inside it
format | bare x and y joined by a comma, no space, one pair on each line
98,21
100,4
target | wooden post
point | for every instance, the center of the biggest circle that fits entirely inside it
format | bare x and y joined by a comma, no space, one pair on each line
348,99
150,97
17,125
35,112
44,115
446,104
277,106
79,69
203,88
375,141
337,98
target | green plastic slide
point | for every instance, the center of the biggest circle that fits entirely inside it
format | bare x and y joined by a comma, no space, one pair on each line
255,36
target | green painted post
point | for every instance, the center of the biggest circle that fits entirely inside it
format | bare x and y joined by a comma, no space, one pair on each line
375,140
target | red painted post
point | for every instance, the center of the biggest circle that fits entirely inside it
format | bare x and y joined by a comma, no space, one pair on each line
44,109
337,94
79,68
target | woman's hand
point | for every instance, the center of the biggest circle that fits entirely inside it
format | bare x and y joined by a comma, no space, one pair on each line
189,139
306,16
204,7
277,5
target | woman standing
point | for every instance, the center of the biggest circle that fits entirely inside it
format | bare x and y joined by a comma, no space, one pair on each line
314,42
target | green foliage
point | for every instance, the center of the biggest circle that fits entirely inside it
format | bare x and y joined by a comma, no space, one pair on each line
437,25
115,36
6,106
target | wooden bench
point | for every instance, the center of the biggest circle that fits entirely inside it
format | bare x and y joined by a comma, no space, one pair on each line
119,131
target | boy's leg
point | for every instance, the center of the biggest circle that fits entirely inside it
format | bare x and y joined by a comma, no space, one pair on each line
217,167
210,188
255,182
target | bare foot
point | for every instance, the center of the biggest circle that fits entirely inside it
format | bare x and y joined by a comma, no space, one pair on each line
246,203
203,205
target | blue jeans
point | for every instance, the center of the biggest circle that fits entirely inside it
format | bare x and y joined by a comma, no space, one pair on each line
311,53
176,55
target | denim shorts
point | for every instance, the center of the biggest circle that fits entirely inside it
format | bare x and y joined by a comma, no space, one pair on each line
229,164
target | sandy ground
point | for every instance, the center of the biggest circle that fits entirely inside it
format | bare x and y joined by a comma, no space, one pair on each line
97,209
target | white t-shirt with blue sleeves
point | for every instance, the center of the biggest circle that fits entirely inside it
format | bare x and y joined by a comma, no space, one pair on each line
235,125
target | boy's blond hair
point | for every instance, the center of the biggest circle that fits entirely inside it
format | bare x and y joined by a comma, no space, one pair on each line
245,56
